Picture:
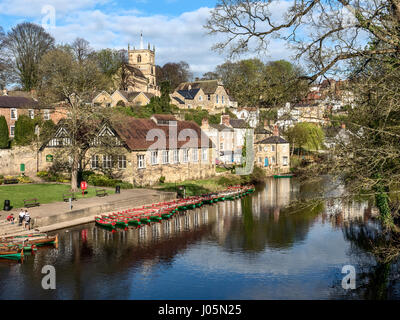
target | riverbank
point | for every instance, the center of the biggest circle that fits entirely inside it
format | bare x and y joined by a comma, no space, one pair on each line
214,184
59,215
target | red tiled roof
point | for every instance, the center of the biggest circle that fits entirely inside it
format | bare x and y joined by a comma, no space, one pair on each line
135,132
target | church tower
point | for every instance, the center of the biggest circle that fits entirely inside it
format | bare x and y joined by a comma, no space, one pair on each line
144,60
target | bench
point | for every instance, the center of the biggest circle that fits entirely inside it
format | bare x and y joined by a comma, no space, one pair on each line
67,196
11,181
31,203
101,192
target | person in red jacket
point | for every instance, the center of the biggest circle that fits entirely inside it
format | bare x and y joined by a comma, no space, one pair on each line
10,218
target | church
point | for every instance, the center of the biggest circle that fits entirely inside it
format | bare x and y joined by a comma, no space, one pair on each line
141,81
142,69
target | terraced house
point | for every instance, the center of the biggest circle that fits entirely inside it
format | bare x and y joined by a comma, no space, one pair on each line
13,105
208,95
145,150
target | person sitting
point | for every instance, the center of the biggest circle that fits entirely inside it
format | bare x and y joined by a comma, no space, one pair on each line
27,220
10,218
21,216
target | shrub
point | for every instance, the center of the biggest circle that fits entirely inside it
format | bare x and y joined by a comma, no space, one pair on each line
4,134
24,180
162,179
99,180
258,175
229,180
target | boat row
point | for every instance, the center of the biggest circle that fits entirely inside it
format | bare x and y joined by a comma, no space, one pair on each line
165,210
13,248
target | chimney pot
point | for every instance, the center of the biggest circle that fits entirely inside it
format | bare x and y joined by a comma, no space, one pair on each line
276,131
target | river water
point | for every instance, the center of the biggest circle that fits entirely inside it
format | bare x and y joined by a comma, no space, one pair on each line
253,248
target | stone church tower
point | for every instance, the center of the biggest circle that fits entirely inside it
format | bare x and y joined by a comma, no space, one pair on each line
144,60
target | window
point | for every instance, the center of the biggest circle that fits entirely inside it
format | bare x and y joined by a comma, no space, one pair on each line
46,114
221,146
195,155
285,161
189,106
185,155
259,148
222,99
12,131
272,148
217,98
165,157
122,162
31,113
94,162
139,58
14,114
200,98
260,160
176,156
209,97
154,157
204,154
107,162
141,163
272,160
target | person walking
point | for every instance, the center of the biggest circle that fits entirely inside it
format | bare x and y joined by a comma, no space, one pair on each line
27,220
21,216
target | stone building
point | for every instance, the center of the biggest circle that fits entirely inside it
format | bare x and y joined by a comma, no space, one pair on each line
273,154
122,98
12,107
142,69
223,138
145,150
207,95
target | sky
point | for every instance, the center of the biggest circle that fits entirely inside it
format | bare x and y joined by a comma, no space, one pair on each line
175,27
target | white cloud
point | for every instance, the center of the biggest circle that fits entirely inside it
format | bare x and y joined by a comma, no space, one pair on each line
176,38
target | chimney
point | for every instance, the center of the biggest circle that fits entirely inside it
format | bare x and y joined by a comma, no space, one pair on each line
343,126
5,92
204,123
276,131
225,120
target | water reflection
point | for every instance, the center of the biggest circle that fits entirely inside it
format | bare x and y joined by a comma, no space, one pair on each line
255,248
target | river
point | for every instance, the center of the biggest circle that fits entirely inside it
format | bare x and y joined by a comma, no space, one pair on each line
253,248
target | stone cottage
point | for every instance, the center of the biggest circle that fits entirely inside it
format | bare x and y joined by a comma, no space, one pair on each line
145,150
273,154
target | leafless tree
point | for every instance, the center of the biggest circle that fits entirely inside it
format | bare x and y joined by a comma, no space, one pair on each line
26,43
81,49
325,34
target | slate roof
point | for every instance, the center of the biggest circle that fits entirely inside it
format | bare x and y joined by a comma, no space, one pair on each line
179,100
18,103
165,117
134,133
273,140
136,72
131,95
262,130
220,127
208,86
238,123
189,94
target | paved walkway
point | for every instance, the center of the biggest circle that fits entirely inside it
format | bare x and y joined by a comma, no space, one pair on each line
86,208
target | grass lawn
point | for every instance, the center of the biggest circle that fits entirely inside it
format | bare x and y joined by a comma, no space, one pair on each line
45,193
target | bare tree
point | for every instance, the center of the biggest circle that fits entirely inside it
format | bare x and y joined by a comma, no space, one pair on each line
324,33
71,83
81,49
27,43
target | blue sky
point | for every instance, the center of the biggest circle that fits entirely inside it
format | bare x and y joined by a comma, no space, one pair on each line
175,27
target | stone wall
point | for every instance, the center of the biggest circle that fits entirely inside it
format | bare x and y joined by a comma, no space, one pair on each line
11,159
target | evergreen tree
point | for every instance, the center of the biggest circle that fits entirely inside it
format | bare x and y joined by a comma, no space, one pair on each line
4,134
24,130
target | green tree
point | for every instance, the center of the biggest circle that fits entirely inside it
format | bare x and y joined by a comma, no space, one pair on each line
305,135
24,130
4,134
